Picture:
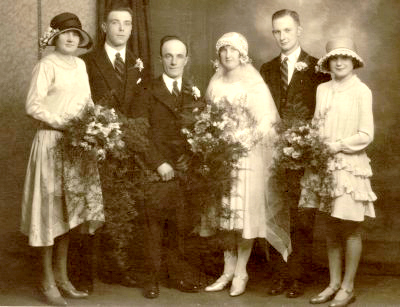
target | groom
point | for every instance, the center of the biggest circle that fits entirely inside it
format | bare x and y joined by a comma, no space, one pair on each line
292,79
170,97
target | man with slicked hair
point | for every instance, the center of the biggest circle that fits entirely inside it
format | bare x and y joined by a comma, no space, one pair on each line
116,82
165,201
292,80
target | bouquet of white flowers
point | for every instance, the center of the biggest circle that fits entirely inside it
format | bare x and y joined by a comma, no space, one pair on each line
96,133
222,133
299,146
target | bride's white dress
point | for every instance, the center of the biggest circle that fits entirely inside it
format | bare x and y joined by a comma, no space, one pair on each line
253,208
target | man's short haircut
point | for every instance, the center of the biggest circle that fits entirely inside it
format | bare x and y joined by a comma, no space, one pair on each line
167,38
117,6
286,12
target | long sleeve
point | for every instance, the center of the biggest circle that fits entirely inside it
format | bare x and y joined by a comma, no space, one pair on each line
365,134
42,78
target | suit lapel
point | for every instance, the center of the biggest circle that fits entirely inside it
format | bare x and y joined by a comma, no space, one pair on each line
161,93
275,79
107,71
297,74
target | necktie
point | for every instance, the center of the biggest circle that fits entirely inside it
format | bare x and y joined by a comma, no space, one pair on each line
284,74
175,89
119,66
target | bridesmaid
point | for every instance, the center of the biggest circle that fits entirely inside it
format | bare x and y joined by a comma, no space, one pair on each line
345,103
59,90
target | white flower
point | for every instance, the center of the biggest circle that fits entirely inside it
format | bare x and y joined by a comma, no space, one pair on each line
139,65
196,93
139,80
300,66
288,150
46,36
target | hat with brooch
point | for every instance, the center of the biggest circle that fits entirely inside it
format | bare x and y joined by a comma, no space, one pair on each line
62,23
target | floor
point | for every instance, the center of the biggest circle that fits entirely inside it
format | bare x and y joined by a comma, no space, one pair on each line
371,291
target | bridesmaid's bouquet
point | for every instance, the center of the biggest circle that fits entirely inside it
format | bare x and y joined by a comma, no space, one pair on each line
299,146
96,133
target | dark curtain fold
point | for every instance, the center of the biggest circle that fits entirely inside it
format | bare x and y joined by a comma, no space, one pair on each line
139,43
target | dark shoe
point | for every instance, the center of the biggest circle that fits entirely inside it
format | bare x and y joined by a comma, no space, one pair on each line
343,302
128,282
185,286
52,296
295,290
151,291
320,299
68,290
278,287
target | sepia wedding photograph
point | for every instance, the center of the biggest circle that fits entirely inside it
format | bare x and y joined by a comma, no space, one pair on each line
199,153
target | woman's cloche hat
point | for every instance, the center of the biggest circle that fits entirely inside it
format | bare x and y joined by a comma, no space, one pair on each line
237,41
62,23
340,46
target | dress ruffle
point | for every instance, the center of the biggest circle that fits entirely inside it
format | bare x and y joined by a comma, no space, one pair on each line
351,174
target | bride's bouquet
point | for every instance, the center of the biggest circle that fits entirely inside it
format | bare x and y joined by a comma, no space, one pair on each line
223,132
299,146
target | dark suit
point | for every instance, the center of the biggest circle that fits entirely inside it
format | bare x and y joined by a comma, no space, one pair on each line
118,247
122,96
298,102
165,201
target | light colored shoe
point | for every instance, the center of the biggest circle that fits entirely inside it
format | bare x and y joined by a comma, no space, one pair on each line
239,283
350,298
220,283
53,296
330,293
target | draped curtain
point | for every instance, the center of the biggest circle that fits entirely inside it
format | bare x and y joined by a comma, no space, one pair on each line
139,42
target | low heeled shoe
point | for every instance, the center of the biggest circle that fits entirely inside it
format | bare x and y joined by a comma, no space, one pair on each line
320,299
238,285
220,284
52,298
68,290
343,302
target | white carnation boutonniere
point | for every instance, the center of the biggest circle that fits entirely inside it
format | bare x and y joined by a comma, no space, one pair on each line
196,92
301,66
139,64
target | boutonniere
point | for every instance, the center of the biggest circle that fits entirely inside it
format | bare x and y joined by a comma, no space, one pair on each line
139,64
301,66
196,92
192,90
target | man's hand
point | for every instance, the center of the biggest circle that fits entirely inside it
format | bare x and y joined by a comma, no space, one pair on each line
165,171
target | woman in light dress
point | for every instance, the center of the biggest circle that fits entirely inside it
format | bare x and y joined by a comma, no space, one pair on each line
345,106
253,211
58,91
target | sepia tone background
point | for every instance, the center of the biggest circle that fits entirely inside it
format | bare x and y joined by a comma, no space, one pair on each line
373,24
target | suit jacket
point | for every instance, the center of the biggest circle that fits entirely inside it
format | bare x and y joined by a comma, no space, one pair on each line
165,114
106,88
299,101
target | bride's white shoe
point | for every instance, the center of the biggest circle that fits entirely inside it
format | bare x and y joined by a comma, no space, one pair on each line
220,283
239,283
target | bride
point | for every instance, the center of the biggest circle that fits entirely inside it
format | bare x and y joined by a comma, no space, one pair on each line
253,210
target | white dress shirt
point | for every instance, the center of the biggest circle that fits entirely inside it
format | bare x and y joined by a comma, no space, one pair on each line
292,60
169,82
111,52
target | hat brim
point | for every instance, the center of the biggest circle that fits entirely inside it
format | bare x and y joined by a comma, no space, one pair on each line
323,62
85,41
